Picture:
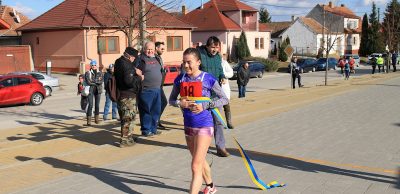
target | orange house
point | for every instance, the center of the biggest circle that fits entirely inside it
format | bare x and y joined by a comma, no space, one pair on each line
77,31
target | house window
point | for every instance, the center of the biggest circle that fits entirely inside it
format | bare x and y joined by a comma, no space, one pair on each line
108,44
257,46
261,43
174,43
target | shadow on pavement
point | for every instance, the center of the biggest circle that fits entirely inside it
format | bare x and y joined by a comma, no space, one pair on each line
106,134
39,115
391,85
114,178
296,164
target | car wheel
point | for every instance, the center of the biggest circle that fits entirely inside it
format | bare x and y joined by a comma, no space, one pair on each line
260,75
36,99
48,90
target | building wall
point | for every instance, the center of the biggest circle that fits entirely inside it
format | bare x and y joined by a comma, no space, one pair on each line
304,44
338,46
251,36
351,23
352,43
333,22
15,58
233,15
65,49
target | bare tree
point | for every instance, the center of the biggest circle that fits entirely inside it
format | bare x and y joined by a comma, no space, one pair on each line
140,11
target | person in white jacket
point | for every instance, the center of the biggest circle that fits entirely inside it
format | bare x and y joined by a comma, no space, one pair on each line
228,72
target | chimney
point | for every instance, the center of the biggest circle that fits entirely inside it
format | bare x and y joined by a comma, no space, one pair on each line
330,4
341,5
201,7
292,18
183,10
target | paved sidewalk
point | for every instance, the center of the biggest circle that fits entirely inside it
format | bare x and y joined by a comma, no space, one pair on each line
347,143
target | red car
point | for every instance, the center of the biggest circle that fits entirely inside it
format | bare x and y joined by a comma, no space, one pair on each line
20,89
172,72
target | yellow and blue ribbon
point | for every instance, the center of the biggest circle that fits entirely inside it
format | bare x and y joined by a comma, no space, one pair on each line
246,160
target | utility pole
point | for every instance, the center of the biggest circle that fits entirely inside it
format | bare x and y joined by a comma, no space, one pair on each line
327,52
142,22
131,21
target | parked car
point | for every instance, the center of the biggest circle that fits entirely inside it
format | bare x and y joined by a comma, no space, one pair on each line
355,57
50,83
321,64
257,69
172,71
21,89
307,64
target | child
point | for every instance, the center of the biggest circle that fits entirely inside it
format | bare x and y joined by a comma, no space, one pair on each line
347,70
198,120
81,87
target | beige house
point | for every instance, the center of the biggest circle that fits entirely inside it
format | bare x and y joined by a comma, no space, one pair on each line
77,31
226,19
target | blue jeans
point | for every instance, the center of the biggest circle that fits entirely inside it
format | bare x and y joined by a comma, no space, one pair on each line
149,109
242,91
107,108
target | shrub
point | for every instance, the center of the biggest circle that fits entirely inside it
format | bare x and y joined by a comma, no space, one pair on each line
270,65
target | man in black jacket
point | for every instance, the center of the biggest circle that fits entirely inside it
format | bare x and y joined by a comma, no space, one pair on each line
128,80
243,77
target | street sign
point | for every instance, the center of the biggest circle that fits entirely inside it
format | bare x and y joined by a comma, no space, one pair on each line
289,50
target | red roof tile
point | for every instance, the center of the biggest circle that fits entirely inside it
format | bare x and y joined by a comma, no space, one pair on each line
94,13
210,19
263,27
232,5
342,11
4,25
6,14
312,25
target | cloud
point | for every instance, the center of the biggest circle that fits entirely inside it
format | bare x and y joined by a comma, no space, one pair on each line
24,10
378,2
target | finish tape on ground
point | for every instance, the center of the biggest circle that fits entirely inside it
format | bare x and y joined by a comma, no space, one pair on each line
246,160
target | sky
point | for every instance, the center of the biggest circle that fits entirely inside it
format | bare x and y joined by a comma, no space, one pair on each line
280,10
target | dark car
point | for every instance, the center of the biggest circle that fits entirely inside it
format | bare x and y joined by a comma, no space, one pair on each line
21,89
321,64
307,64
257,69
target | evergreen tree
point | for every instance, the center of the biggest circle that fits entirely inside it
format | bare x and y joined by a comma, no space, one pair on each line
376,43
264,16
391,25
282,55
364,48
242,49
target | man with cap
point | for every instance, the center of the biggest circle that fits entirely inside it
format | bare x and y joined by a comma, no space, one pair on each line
107,76
128,80
94,78
150,96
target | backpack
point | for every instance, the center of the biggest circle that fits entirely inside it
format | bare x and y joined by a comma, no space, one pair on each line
112,89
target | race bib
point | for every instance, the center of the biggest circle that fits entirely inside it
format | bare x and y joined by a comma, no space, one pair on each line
191,89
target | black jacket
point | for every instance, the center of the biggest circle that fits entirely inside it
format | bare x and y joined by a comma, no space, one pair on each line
128,82
243,76
94,80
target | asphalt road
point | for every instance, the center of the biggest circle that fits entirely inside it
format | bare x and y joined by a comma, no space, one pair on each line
64,103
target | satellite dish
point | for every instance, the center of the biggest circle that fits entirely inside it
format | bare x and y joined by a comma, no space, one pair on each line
18,19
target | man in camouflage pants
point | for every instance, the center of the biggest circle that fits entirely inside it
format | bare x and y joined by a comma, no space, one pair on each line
128,80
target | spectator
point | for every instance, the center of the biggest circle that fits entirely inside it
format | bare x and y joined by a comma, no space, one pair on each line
128,80
81,87
228,72
160,48
211,63
379,62
373,64
243,77
107,76
94,78
341,64
150,96
351,63
394,60
347,70
295,73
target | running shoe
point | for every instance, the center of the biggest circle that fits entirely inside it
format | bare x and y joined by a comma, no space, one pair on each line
210,190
